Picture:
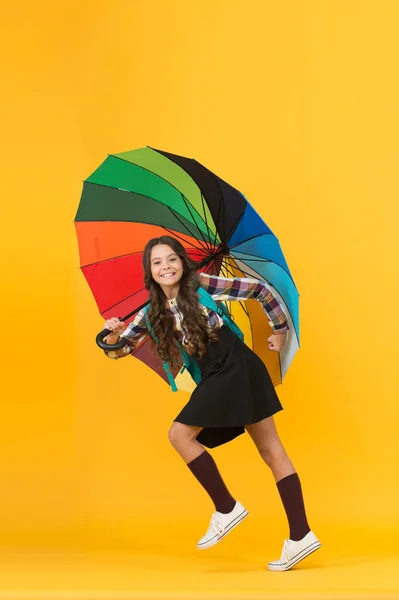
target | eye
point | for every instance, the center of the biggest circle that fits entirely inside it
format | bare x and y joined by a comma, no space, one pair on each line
173,259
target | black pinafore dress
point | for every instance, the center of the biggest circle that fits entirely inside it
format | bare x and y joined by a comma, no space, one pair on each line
235,390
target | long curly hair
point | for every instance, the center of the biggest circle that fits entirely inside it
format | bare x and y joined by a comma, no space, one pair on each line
197,332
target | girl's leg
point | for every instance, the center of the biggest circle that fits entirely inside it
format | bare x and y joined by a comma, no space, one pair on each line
184,440
264,435
201,464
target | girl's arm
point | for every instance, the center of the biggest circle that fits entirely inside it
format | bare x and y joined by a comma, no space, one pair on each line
240,288
134,333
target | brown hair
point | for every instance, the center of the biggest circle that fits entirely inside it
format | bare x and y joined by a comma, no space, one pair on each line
195,323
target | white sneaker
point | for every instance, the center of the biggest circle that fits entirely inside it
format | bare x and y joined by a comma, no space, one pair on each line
221,524
294,552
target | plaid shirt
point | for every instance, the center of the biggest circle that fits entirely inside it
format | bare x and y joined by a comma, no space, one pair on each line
221,289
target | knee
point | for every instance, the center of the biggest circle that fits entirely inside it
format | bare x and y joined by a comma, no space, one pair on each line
180,434
272,455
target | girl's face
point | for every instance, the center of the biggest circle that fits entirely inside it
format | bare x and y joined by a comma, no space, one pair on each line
166,266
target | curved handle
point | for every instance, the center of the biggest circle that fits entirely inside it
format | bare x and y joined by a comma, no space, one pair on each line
100,341
100,337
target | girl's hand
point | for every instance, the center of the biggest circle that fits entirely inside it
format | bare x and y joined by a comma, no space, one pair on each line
115,325
277,341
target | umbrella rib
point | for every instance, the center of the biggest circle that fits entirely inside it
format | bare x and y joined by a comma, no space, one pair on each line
124,299
199,241
245,273
264,260
186,202
257,259
206,220
180,238
136,310
285,304
247,313
160,176
147,223
99,262
249,274
242,304
220,201
112,187
250,238
250,324
195,182
234,225
249,320
219,207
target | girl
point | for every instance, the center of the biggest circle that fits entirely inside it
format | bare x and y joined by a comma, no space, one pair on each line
235,393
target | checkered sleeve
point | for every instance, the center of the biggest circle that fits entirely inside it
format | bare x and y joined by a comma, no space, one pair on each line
134,334
243,288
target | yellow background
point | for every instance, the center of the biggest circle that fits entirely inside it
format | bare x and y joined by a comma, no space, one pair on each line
294,103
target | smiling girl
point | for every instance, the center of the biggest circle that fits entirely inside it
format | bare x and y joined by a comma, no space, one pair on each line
235,393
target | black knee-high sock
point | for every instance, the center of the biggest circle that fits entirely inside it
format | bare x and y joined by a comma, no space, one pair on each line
205,470
291,495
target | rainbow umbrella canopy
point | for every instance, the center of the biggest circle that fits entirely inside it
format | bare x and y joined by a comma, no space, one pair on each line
137,195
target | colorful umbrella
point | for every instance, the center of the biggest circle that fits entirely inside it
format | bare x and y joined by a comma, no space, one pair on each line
145,193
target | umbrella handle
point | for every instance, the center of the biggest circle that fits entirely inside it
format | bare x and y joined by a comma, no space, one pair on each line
100,337
100,341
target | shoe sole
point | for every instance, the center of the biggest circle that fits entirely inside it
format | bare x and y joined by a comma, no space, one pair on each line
300,556
217,539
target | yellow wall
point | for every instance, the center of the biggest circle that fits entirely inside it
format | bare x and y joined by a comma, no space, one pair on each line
295,103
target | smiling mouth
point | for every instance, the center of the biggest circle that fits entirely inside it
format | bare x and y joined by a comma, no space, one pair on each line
169,275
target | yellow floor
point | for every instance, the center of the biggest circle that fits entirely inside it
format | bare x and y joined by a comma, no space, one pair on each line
349,565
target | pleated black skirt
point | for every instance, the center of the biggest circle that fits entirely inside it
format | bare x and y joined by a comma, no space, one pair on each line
235,390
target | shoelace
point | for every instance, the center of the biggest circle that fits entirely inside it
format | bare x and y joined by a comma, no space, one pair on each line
216,526
286,553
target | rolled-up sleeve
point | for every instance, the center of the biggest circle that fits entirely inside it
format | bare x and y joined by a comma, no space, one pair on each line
134,334
244,288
